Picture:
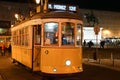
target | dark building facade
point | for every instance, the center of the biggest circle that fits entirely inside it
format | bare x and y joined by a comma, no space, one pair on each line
109,21
7,14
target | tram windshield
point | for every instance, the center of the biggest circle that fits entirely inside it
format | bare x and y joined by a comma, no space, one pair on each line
67,33
70,35
51,33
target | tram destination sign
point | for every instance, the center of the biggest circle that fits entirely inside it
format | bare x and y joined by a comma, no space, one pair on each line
62,7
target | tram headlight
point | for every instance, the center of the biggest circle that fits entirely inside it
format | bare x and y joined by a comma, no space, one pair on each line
54,69
68,62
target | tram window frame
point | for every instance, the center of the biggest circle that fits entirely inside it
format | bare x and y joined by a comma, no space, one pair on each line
68,34
14,38
21,37
79,35
17,39
26,36
51,36
37,34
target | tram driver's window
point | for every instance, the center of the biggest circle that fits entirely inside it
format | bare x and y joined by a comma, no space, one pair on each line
67,33
51,33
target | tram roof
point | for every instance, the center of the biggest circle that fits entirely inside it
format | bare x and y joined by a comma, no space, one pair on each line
69,15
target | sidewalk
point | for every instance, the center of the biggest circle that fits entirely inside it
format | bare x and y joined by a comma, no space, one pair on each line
10,71
1,77
108,63
91,71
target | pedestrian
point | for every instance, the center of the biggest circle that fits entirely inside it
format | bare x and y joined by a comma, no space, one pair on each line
84,43
9,48
102,43
3,49
90,44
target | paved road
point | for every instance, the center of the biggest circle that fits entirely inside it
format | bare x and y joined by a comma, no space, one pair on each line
10,71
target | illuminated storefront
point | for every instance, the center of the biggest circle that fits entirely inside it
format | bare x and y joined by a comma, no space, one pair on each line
89,34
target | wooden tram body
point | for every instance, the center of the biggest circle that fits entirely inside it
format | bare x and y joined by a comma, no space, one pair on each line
49,42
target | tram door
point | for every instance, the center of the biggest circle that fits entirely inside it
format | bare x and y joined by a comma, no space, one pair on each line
36,47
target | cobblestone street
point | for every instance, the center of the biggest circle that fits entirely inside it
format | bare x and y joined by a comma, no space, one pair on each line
92,71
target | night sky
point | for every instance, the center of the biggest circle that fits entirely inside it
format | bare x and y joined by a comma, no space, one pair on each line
110,5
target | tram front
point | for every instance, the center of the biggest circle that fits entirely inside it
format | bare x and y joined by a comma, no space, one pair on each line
61,51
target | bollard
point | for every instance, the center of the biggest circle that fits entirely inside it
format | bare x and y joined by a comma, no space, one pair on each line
88,57
94,56
112,58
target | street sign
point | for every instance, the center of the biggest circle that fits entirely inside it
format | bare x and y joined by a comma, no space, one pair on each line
96,29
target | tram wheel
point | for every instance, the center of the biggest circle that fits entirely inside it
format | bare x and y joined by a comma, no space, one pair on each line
13,61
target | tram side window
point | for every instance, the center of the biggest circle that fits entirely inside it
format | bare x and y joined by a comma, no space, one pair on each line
14,38
22,36
51,33
19,37
67,33
26,36
78,36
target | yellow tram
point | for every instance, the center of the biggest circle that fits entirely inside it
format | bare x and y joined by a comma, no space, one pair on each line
50,40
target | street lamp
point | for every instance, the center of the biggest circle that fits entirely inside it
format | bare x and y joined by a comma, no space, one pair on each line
16,16
19,17
43,7
37,1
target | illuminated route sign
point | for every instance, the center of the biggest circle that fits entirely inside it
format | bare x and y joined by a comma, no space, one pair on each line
62,7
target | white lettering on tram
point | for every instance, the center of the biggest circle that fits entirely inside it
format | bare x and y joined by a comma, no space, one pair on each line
72,8
50,6
61,7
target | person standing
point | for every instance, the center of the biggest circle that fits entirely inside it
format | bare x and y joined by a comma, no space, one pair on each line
90,44
102,43
84,43
3,49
